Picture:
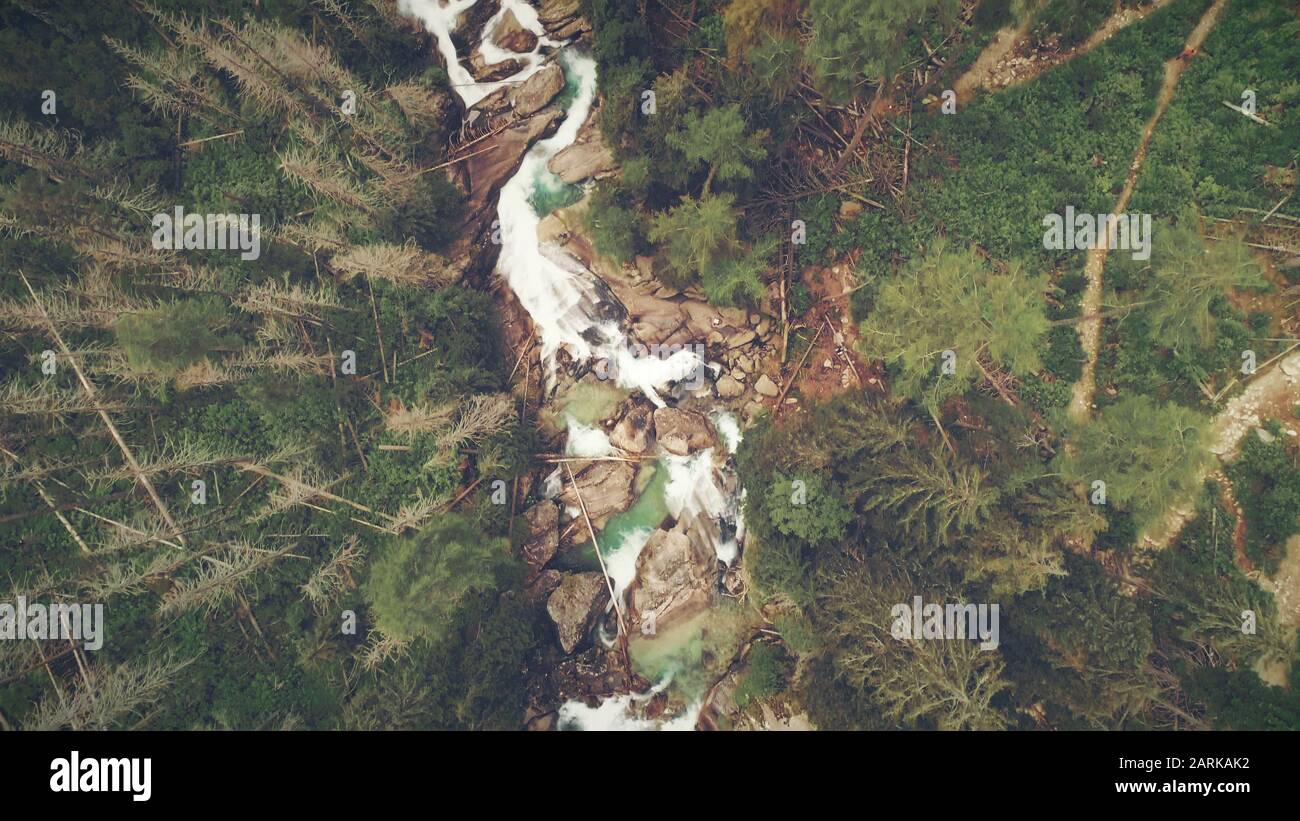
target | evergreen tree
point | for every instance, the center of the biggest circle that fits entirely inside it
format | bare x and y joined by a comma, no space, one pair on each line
718,139
738,277
695,234
418,582
1189,275
955,301
1149,455
946,685
862,40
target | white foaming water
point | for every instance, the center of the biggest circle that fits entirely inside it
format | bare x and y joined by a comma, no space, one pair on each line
439,19
728,428
552,484
528,19
557,292
561,297
620,563
565,302
586,440
727,551
692,490
614,714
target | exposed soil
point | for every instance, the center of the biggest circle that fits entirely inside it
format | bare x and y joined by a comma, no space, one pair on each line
833,366
1014,57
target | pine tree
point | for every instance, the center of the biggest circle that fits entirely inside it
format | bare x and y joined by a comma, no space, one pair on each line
955,301
1149,455
856,41
718,139
1189,275
694,234
418,582
949,685
738,276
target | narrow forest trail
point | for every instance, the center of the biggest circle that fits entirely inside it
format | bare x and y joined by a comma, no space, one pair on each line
982,71
1090,310
1271,394
1000,65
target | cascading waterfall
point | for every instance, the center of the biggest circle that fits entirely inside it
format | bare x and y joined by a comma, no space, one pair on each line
574,310
439,19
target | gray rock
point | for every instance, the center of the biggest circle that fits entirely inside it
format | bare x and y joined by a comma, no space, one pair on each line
1290,366
511,36
740,338
542,538
560,18
485,171
645,266
470,23
494,103
682,432
675,579
489,73
574,605
588,157
534,93
735,317
606,489
632,433
728,387
766,386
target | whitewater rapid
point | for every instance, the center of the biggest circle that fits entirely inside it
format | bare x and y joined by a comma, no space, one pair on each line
440,19
571,309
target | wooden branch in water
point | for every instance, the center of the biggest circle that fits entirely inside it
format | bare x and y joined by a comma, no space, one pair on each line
618,610
552,458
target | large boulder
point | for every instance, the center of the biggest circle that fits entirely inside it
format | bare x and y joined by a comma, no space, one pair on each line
486,72
512,36
606,489
574,605
682,432
588,157
497,158
542,536
470,22
493,161
491,105
533,94
632,433
676,578
560,18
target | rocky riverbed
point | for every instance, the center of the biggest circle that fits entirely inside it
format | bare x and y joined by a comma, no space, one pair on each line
638,388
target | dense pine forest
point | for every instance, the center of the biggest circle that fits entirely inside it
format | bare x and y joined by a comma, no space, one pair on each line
332,479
